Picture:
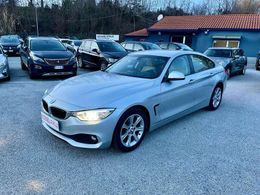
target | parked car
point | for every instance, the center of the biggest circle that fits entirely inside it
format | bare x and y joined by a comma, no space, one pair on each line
47,56
257,65
11,44
232,59
133,46
99,53
75,44
135,95
4,66
174,46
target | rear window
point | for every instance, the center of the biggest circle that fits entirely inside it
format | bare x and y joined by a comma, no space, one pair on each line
110,47
223,53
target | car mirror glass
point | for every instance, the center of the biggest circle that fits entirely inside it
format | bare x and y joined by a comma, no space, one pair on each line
175,75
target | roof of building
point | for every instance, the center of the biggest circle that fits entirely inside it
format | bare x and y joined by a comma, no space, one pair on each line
232,21
194,23
140,33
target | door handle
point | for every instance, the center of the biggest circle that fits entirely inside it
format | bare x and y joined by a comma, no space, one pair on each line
192,81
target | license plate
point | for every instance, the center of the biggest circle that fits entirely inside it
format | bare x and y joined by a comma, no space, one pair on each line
50,121
58,67
10,50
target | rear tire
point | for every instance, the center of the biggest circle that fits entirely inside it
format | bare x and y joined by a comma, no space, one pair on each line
243,71
216,98
130,130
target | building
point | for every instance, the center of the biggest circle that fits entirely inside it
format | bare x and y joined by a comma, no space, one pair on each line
202,32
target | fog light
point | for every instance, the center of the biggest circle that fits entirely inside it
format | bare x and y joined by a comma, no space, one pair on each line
37,67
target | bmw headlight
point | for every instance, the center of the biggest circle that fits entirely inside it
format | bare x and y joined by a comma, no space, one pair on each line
93,115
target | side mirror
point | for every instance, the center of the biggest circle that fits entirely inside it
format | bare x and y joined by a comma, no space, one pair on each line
95,50
175,76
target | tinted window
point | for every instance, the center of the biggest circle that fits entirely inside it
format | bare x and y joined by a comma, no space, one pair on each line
181,64
224,53
163,45
173,47
6,39
47,45
138,47
150,46
139,66
129,46
77,43
201,63
110,47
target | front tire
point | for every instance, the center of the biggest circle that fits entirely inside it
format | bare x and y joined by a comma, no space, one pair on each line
23,65
130,130
216,98
243,71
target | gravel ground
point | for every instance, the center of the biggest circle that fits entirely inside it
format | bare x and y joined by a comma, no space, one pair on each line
203,153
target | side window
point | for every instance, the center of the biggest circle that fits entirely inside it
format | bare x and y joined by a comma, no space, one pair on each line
201,63
181,64
173,47
163,45
138,47
94,45
129,46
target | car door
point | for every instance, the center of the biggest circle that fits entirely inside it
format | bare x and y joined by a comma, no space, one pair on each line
238,61
176,96
202,79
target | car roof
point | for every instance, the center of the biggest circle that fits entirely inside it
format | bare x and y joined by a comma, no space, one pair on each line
223,48
99,40
42,38
165,53
140,42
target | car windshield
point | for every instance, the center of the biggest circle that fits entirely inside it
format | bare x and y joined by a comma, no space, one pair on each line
47,45
9,40
223,53
150,46
141,66
110,47
77,43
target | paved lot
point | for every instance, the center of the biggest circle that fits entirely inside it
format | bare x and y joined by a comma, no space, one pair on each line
203,153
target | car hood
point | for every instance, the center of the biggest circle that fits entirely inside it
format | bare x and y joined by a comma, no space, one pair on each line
53,54
98,89
116,55
221,61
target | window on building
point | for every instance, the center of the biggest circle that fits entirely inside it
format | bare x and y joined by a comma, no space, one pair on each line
226,43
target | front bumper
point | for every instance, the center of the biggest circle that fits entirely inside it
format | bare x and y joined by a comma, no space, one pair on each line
4,72
49,70
72,127
11,50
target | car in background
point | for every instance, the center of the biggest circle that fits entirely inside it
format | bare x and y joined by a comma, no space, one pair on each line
4,66
99,53
11,44
232,59
47,56
257,65
133,46
174,46
75,44
140,93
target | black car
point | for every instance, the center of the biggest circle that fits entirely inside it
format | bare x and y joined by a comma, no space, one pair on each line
257,65
47,56
4,66
99,53
133,46
11,44
232,59
174,46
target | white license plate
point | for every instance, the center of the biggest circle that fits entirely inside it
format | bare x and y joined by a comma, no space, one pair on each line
58,67
11,50
50,121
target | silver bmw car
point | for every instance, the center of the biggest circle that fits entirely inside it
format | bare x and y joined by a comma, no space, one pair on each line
139,93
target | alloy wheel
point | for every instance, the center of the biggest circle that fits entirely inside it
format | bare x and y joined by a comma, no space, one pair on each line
132,130
217,97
